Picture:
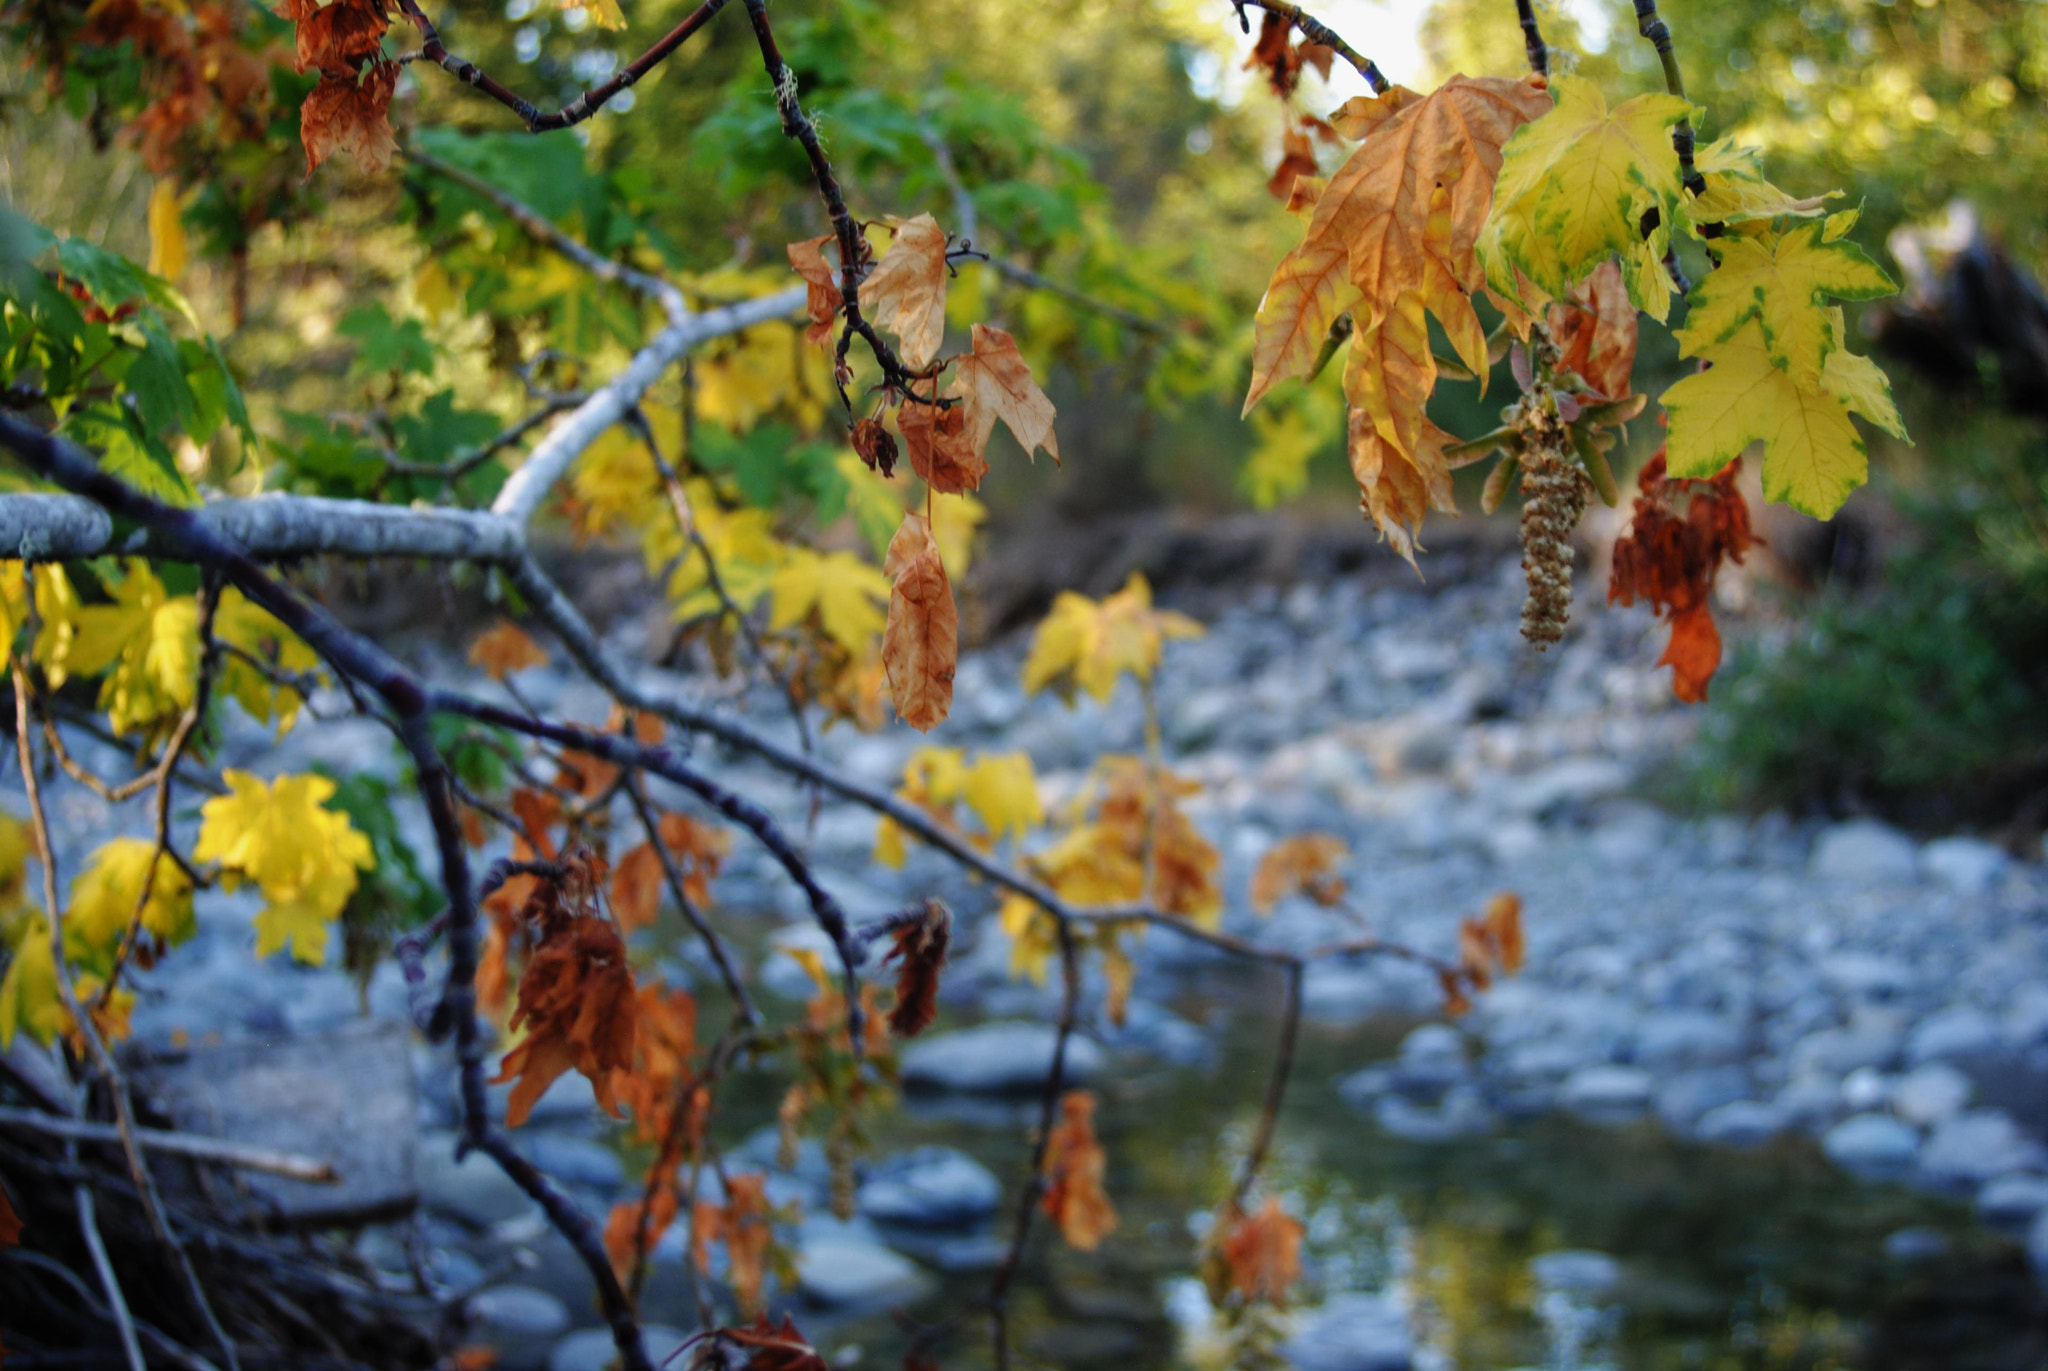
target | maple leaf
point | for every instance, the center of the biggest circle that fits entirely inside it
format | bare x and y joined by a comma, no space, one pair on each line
1088,644
1737,191
335,37
768,1347
822,301
146,640
350,113
993,382
578,1005
633,1227
1778,279
1263,1252
1396,451
259,633
1002,790
1306,863
107,894
906,291
636,887
302,855
1670,562
1813,455
28,994
921,945
1074,1168
504,649
943,450
700,850
845,593
921,644
1310,288
1297,159
1595,331
1574,187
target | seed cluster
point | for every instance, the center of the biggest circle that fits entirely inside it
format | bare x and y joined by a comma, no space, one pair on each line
1553,497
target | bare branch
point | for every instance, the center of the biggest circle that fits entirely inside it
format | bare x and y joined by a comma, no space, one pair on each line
191,1145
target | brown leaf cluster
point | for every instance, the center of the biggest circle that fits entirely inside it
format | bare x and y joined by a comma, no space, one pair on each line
1392,241
349,110
744,1224
1489,946
921,640
1306,864
1262,1251
1283,59
698,851
1074,1169
670,1110
204,71
920,946
577,1001
765,1347
1595,332
1669,561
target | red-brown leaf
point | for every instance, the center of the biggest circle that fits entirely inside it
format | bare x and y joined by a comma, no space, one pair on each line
350,113
921,641
1263,1251
943,450
922,947
1074,1168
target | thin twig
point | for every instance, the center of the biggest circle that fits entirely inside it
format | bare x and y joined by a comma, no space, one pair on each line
117,1303
743,1004
1276,1086
1532,38
192,1145
1316,31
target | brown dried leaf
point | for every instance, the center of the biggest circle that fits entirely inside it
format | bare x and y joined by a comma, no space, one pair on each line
504,650
823,300
1297,159
943,451
921,642
636,888
350,113
875,446
1504,930
577,1003
994,382
1671,561
906,292
1263,1251
700,850
922,947
338,36
1306,863
1595,332
1074,1168
770,1348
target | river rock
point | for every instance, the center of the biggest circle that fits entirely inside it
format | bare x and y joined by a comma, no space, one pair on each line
841,1268
1873,1145
1918,1243
1968,866
930,1187
518,1312
1460,1114
1432,1060
995,1059
1962,1031
592,1349
1742,1123
1867,852
1838,1051
1683,1099
1674,1039
2026,1015
1928,1094
578,1161
1606,1094
1353,1333
2010,1203
1970,1149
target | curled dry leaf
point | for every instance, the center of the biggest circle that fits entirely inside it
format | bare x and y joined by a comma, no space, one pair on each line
994,382
504,649
906,291
875,446
1263,1251
822,300
350,113
1306,863
921,945
1297,159
921,642
636,887
943,451
1595,331
762,1346
576,1002
1074,1168
1670,561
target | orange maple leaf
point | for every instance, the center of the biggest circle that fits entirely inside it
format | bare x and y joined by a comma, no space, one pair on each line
1074,1168
921,641
336,37
943,450
994,382
634,1226
823,300
1263,1251
504,649
906,291
350,113
700,850
577,1003
1306,863
636,887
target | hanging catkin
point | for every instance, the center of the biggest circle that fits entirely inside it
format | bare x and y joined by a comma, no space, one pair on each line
1553,498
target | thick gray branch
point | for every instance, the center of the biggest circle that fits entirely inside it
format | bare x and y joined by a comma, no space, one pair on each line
53,528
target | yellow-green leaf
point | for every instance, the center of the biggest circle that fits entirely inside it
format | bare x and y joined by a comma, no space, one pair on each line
28,995
846,593
1813,456
257,632
106,895
1858,383
1002,790
1779,280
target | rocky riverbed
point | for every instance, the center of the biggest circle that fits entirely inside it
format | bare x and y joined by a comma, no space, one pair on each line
1733,982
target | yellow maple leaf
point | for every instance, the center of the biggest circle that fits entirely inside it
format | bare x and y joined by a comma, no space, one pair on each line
1034,937
1002,790
303,856
28,993
844,592
258,632
107,894
1813,456
955,522
147,643
1087,644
